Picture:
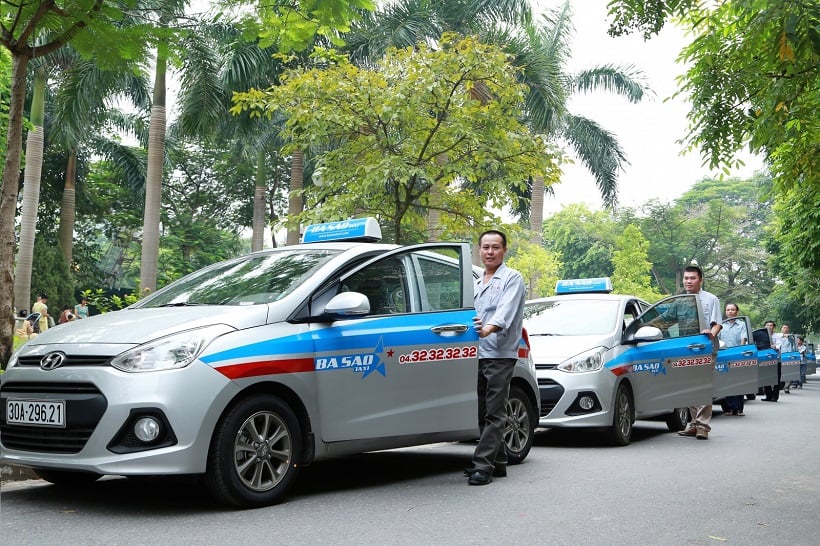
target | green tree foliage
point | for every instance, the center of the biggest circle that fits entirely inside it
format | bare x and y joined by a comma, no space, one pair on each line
754,79
631,273
293,25
50,276
423,121
538,266
584,240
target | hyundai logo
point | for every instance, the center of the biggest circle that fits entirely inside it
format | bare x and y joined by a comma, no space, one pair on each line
52,361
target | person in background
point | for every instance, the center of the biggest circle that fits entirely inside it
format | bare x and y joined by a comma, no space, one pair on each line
801,348
733,334
64,314
784,344
40,306
499,303
81,309
701,424
772,392
26,328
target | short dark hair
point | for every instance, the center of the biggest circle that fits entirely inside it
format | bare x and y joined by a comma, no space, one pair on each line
494,232
694,269
732,303
768,321
43,296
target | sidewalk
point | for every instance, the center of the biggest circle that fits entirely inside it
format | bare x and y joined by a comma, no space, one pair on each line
11,473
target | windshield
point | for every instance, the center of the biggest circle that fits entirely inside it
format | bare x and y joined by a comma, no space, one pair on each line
252,280
573,317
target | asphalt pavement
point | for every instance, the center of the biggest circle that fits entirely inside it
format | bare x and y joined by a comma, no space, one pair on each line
753,482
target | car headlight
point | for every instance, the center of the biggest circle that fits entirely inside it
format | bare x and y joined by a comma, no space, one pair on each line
174,351
588,361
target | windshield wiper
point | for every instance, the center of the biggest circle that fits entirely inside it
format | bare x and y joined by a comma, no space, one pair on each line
544,334
181,304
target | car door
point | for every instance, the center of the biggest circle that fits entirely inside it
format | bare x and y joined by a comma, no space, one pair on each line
736,365
676,370
767,358
789,359
409,366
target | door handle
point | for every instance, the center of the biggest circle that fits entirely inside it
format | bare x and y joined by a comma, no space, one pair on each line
695,346
747,353
457,328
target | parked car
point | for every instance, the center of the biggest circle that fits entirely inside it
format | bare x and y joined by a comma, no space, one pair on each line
250,369
603,362
811,359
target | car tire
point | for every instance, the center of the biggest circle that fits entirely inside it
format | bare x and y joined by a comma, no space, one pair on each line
66,477
623,417
678,419
519,433
255,451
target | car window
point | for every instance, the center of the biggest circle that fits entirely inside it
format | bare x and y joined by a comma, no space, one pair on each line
571,317
676,316
254,279
439,283
385,285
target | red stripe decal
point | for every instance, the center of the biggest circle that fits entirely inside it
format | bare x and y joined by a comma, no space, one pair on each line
621,370
266,367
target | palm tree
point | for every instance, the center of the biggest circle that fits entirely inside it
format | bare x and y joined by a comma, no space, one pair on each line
87,102
31,189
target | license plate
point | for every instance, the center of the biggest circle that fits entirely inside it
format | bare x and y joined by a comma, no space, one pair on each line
43,413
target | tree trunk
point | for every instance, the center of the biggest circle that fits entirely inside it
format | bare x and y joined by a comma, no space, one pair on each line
297,173
259,202
153,183
8,205
31,194
68,208
537,211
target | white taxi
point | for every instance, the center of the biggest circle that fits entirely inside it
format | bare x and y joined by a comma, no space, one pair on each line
250,369
604,360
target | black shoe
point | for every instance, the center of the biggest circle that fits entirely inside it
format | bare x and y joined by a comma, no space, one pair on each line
480,477
500,471
469,471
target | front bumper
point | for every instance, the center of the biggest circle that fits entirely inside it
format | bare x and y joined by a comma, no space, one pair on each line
562,393
102,404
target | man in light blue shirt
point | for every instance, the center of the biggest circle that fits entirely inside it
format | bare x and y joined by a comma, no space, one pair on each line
499,303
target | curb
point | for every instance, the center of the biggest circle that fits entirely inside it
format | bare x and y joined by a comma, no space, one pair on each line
12,473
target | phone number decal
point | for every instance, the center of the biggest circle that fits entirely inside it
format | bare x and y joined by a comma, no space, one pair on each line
693,361
742,363
434,355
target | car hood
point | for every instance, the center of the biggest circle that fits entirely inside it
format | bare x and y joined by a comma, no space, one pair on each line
135,326
555,349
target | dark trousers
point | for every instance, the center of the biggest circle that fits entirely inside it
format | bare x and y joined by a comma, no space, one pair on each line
735,403
494,376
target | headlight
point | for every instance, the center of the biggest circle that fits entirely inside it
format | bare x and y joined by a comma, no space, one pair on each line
13,360
174,351
588,361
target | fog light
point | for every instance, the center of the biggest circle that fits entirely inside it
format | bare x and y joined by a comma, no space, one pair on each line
147,429
586,402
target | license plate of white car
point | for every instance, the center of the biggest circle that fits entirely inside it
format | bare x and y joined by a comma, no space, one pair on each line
43,413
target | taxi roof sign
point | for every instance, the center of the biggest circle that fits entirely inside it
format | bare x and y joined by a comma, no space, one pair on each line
596,285
355,229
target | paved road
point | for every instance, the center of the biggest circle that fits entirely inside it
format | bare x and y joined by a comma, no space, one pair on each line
754,482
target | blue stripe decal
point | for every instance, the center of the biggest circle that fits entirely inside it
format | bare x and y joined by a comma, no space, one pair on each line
410,330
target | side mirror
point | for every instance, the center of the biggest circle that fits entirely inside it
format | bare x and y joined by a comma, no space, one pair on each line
648,333
348,304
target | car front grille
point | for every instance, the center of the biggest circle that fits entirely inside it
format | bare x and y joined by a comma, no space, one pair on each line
85,406
70,360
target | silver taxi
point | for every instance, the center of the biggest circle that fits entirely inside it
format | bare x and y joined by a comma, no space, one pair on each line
250,369
604,360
